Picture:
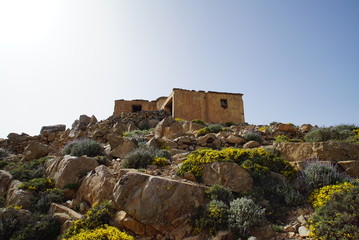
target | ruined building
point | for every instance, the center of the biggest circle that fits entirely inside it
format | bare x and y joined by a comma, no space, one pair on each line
211,107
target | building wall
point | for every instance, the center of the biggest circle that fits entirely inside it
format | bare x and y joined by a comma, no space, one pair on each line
126,106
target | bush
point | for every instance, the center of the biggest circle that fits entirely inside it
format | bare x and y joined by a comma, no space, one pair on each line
43,200
220,193
317,175
37,184
243,215
337,133
105,232
137,133
215,128
254,160
4,163
213,217
143,156
338,218
96,217
82,147
198,121
3,153
29,170
281,139
319,197
160,161
252,136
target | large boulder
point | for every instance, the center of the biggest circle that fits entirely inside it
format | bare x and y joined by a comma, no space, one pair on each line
124,148
69,169
35,150
17,196
286,128
12,219
97,186
5,180
161,203
82,123
322,151
227,174
17,138
160,128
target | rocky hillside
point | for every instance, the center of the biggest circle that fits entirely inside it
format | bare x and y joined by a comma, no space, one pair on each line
155,177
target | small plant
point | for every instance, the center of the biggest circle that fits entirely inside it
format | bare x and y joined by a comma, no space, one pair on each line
3,153
317,175
229,124
105,232
220,193
29,170
243,215
4,163
160,161
198,121
82,147
262,129
213,216
337,133
37,184
137,133
319,197
43,200
215,128
96,217
252,136
179,119
338,218
281,139
203,131
143,156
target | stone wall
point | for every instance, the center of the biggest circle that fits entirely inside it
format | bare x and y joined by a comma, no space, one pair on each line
127,106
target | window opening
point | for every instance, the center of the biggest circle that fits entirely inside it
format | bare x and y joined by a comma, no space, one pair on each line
224,103
136,108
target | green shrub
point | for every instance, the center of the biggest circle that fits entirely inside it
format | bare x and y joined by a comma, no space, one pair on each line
213,217
317,175
220,193
29,170
198,121
37,184
143,156
4,163
105,232
43,200
252,136
243,215
203,131
82,147
281,139
160,161
229,124
255,160
137,133
96,217
337,133
215,128
3,153
338,218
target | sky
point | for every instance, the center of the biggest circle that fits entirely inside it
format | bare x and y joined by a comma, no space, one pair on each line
294,61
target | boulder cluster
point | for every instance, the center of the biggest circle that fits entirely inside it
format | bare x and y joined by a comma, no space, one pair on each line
156,203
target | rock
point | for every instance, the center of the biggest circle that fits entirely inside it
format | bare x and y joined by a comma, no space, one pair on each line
53,128
81,124
252,238
303,231
289,228
114,140
153,143
97,186
101,132
17,196
134,225
174,130
235,139
306,128
35,150
227,174
165,142
124,148
17,138
322,151
69,169
207,139
160,128
263,233
18,218
189,176
5,180
302,220
224,235
58,208
351,168
286,128
251,144
183,140
118,218
157,201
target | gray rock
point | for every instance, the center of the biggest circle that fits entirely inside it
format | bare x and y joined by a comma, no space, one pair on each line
53,128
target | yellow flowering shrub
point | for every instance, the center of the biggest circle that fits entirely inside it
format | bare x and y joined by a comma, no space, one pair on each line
37,184
258,158
356,131
320,197
104,233
160,161
262,129
179,119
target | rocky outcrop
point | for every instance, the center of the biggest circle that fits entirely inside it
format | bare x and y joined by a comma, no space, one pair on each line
161,203
5,180
53,128
322,151
69,169
124,148
35,150
17,196
229,175
97,186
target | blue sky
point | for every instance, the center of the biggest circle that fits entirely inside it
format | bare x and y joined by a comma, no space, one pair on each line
294,61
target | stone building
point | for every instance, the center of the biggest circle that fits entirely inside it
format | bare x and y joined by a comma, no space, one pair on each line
211,107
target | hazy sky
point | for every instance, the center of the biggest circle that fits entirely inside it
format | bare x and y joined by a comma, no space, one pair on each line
294,61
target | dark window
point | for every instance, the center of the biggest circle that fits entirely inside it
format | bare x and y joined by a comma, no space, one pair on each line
136,108
224,103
